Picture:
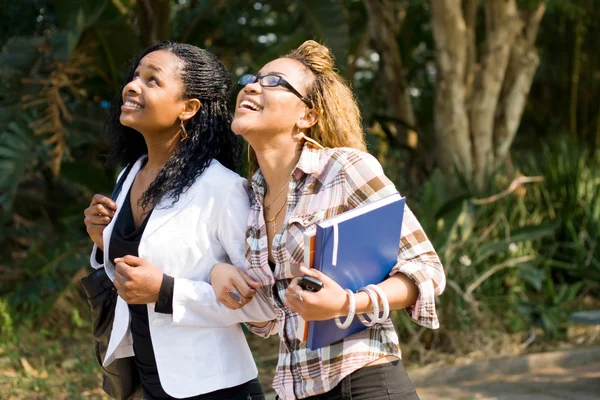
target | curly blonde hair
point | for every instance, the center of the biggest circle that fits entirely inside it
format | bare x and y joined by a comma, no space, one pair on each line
338,117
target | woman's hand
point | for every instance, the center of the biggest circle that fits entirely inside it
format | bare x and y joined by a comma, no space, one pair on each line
137,280
99,214
226,278
329,302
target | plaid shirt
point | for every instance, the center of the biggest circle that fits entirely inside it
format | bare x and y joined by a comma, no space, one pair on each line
324,183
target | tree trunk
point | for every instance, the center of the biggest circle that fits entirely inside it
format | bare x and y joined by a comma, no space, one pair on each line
471,8
502,26
478,106
384,25
451,122
575,78
523,63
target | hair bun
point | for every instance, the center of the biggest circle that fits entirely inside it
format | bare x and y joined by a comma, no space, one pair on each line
318,57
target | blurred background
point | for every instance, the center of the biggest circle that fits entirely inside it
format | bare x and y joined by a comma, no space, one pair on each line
484,113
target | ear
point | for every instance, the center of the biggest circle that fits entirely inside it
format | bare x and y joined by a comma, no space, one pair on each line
190,108
309,119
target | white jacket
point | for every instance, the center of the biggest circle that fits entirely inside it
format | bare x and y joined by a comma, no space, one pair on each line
200,348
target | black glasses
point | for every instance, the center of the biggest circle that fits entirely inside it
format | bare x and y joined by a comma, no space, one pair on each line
271,81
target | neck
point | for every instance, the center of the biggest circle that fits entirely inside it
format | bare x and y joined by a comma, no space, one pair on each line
159,151
277,161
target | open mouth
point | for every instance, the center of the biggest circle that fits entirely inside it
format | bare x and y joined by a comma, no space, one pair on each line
131,104
249,105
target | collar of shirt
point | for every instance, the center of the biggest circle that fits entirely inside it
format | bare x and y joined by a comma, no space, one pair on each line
308,164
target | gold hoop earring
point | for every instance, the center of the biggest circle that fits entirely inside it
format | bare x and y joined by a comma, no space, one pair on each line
184,134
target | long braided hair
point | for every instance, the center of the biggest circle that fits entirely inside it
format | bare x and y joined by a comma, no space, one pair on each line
209,131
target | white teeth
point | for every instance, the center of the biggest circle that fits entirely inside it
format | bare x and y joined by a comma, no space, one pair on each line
250,105
133,105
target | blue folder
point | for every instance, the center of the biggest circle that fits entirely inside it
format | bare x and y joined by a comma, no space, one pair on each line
368,238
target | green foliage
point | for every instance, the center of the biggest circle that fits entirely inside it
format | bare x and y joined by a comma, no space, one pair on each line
519,262
17,149
524,259
572,176
51,120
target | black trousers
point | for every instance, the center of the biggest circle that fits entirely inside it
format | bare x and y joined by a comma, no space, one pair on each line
250,390
387,381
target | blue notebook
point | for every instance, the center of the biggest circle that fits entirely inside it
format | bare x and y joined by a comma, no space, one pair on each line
367,242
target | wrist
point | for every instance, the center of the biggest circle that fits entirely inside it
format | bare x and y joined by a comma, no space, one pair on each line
363,304
158,284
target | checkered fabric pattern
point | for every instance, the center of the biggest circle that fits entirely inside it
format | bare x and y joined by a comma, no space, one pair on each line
324,183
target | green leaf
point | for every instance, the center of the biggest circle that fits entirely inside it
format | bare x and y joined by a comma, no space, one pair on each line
534,232
452,206
17,146
533,276
487,250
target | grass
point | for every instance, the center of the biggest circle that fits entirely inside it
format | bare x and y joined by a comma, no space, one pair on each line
50,364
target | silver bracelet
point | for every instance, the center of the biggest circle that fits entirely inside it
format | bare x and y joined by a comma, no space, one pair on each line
351,312
374,318
384,302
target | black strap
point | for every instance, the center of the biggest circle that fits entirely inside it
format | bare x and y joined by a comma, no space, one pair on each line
119,185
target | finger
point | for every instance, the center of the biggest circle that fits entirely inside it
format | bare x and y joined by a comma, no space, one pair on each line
237,297
94,229
100,209
295,292
294,283
132,261
293,287
292,302
96,220
229,302
246,300
251,282
119,281
292,292
107,201
123,269
315,274
242,287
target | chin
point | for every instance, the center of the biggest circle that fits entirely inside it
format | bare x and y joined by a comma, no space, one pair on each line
126,121
239,128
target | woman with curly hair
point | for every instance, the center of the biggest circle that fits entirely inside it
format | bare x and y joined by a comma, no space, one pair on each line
182,208
310,163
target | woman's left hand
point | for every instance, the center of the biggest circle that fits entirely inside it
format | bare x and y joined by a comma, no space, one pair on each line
329,302
137,280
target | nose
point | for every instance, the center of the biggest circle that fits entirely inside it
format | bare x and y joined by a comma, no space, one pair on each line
132,87
253,87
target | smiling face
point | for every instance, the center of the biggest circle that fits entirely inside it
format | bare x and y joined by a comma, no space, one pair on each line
153,100
262,111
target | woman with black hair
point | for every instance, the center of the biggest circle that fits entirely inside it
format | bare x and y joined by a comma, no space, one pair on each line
181,210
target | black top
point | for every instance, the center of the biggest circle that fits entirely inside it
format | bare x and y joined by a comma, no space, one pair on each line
125,240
